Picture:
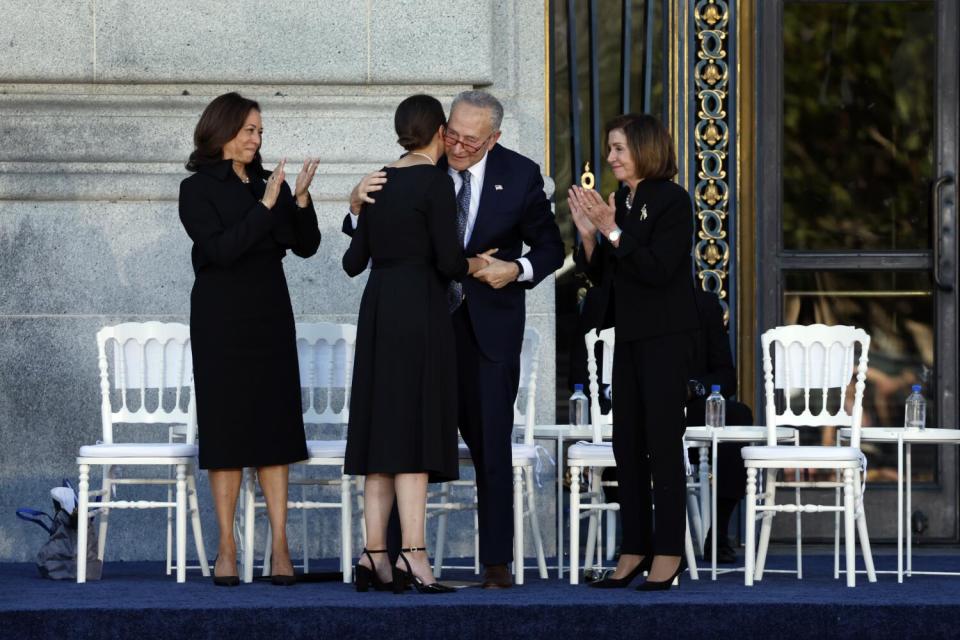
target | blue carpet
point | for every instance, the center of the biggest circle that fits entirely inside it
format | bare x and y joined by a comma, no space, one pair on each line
138,600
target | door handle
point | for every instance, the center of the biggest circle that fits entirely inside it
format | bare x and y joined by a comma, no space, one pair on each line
943,280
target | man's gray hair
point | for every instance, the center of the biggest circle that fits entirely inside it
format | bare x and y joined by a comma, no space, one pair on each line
484,100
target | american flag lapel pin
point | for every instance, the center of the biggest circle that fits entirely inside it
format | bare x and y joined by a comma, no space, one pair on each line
498,187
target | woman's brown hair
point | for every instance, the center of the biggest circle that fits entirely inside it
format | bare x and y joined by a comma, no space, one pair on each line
219,124
650,145
417,120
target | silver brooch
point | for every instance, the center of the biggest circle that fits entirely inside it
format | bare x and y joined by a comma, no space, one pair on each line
643,212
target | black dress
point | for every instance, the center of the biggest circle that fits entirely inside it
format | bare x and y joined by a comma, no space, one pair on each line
403,403
242,330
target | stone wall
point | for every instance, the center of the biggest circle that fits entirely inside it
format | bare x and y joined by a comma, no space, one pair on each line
98,100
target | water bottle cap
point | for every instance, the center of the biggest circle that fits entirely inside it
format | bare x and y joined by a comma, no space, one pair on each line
916,388
578,387
714,388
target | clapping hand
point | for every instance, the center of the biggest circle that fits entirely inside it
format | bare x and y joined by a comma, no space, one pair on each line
590,205
360,194
273,185
304,178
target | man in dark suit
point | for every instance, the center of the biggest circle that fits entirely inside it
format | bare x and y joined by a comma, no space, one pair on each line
500,204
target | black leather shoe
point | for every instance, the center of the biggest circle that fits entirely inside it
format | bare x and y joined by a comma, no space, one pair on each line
663,585
725,553
402,579
366,577
624,582
497,576
223,581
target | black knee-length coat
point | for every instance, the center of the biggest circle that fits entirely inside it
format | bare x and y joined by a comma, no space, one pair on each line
242,330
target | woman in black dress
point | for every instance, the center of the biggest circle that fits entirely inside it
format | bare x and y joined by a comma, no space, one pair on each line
403,404
642,266
242,219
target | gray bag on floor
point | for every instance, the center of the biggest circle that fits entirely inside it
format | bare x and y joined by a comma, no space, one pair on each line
57,558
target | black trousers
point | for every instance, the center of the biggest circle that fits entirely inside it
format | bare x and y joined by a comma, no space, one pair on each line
487,391
649,393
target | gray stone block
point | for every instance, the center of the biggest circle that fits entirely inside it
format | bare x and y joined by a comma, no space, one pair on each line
243,42
48,41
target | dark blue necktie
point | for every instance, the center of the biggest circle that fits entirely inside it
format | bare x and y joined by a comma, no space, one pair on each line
455,291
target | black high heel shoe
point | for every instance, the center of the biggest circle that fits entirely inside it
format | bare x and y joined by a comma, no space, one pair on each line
403,579
624,582
657,585
366,577
223,581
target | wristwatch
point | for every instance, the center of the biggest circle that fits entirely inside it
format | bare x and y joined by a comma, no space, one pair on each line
520,267
615,234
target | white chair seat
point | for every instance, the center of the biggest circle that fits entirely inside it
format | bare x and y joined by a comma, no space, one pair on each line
590,452
326,448
524,453
817,454
139,450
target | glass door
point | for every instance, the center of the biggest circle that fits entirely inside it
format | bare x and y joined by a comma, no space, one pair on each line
857,136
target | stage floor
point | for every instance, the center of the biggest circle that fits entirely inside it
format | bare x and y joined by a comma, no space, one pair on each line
136,599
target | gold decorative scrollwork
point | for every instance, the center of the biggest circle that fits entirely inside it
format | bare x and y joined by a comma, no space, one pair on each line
712,136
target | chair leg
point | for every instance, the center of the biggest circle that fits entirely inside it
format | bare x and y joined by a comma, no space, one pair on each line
107,488
862,531
248,524
346,529
181,523
574,524
611,535
441,531
476,532
688,549
518,524
82,522
751,527
268,552
535,525
169,510
848,527
593,516
693,511
304,536
836,530
769,499
193,503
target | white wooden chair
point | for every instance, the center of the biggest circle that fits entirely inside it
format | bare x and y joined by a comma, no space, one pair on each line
595,456
325,353
148,375
801,361
525,459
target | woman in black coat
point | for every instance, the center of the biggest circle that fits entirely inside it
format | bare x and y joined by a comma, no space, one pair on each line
641,263
242,220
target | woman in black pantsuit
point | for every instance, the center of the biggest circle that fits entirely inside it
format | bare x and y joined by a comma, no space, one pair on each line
641,263
242,219
403,403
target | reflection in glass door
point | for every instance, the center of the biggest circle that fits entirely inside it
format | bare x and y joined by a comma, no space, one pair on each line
858,144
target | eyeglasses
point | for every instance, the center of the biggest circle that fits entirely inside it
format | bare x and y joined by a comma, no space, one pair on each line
454,139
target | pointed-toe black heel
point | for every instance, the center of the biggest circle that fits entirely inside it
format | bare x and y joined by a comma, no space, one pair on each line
367,577
402,579
663,585
624,582
223,581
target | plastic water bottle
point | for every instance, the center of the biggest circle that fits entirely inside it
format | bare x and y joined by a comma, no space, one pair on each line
716,413
916,416
578,406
